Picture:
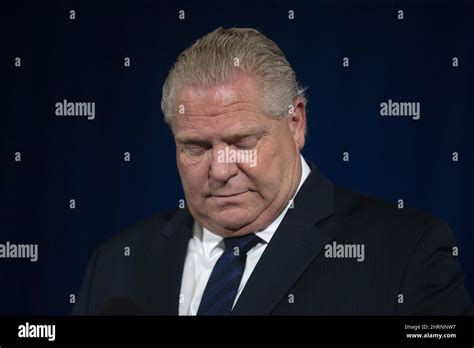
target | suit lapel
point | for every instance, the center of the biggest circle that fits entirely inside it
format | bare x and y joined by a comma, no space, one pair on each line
165,263
293,247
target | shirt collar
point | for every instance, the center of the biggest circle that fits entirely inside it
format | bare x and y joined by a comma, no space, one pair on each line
210,241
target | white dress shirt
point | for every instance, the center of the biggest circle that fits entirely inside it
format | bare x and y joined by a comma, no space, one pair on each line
205,248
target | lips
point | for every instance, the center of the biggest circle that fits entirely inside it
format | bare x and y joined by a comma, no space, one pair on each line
226,195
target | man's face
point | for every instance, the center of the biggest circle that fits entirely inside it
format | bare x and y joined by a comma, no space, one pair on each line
227,197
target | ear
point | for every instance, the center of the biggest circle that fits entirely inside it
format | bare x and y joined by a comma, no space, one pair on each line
297,122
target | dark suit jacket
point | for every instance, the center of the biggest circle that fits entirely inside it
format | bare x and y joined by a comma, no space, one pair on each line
409,267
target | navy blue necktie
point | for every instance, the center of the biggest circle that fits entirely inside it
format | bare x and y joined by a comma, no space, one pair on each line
224,281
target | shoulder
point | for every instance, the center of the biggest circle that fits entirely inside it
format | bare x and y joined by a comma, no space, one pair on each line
380,219
378,210
140,234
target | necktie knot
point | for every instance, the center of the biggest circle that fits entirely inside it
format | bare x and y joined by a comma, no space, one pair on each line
244,243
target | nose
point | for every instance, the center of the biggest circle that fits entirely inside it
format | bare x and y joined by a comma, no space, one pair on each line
222,167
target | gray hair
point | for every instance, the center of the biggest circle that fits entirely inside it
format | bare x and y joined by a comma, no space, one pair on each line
220,55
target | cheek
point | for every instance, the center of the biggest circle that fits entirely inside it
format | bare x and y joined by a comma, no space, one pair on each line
270,158
272,163
193,172
264,178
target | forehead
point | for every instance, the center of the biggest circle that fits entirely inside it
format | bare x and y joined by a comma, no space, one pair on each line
223,109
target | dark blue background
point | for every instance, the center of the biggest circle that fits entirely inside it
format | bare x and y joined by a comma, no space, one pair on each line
82,60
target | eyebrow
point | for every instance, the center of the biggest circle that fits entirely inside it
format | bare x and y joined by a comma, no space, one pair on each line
191,139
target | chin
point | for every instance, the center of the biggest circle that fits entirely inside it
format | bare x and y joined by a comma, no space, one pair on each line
232,219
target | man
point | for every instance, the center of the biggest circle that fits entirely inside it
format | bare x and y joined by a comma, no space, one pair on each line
263,231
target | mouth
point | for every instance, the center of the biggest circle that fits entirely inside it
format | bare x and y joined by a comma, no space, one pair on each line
228,195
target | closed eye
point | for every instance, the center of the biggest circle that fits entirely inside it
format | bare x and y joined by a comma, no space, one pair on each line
194,150
247,144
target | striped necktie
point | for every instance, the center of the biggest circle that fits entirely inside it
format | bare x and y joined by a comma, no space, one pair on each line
221,288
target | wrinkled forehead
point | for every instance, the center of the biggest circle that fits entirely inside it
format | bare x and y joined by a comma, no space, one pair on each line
225,109
210,98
